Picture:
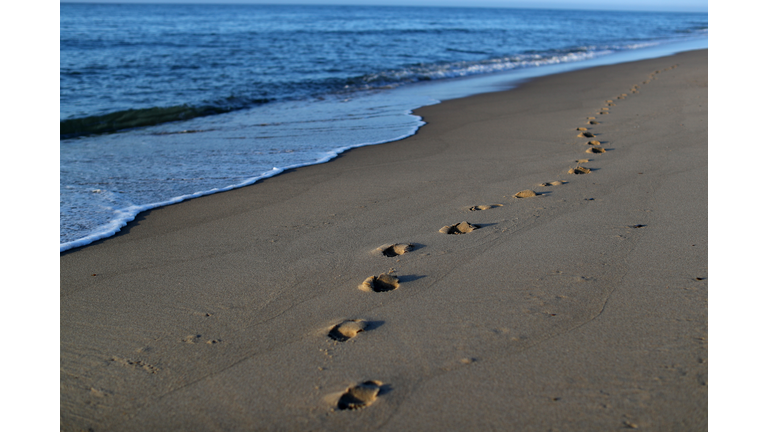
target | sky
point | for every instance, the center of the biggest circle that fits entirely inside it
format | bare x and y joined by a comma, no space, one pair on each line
636,5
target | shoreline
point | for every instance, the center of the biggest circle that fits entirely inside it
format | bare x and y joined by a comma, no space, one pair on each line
502,81
589,299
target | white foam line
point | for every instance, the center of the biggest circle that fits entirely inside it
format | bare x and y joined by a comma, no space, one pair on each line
126,215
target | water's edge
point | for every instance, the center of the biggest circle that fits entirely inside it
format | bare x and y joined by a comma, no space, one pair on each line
440,91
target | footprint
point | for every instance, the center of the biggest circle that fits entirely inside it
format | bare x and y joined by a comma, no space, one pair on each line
579,170
595,149
586,135
594,142
554,183
192,339
347,329
484,207
611,104
593,122
459,228
525,194
395,249
360,395
637,226
590,118
135,364
581,161
381,283
581,128
609,101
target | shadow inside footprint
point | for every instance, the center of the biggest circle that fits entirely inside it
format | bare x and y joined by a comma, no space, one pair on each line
579,170
347,329
595,149
395,249
459,228
484,207
380,283
586,135
360,395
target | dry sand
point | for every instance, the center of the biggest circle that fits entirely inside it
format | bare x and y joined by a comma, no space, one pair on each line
581,308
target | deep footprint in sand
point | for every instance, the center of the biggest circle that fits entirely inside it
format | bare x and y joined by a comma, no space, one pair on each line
594,142
347,329
360,395
581,128
553,183
593,122
396,249
381,283
525,194
595,149
581,161
484,207
579,170
459,228
586,135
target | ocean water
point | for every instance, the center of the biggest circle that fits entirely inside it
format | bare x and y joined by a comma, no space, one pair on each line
161,103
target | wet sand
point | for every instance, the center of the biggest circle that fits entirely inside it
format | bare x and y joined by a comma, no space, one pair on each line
496,271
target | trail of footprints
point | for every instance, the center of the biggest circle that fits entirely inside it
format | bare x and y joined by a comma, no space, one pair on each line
365,393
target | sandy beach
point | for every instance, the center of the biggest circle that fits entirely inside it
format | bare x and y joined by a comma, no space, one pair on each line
577,305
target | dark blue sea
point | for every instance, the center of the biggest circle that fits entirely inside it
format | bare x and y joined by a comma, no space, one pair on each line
161,103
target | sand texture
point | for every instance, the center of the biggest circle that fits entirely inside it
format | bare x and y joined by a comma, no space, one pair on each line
583,308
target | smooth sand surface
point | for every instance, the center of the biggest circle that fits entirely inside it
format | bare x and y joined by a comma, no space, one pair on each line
581,308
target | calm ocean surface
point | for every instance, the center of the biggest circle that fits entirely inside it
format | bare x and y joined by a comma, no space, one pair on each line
161,103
